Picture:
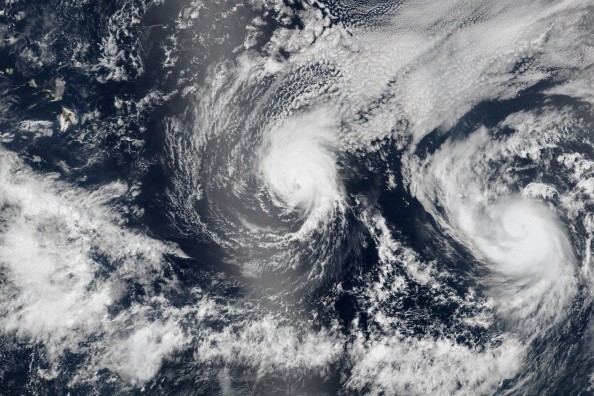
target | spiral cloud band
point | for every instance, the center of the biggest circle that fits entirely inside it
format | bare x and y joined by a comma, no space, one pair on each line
298,163
522,238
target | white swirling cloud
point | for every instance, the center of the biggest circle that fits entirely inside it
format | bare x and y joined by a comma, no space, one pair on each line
298,163
520,241
522,238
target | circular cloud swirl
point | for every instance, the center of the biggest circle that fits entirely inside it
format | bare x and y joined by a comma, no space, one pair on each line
275,200
521,237
297,164
520,241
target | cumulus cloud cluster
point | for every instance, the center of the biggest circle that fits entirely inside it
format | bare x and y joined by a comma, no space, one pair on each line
67,264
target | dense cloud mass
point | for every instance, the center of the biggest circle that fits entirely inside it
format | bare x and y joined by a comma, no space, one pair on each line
296,197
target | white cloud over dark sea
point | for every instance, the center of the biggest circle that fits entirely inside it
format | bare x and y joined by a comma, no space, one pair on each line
379,198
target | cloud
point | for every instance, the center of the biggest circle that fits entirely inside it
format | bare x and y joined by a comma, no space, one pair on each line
68,261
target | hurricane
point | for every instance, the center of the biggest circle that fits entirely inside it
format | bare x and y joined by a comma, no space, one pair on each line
310,197
298,166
